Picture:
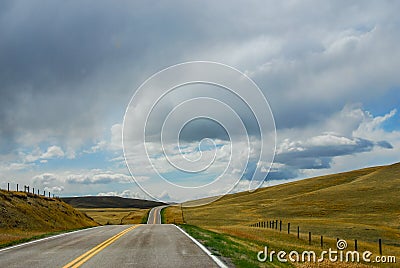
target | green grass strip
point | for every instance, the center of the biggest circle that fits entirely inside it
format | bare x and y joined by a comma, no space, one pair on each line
145,217
241,252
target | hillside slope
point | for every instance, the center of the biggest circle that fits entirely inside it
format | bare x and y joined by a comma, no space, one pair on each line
109,202
24,215
362,204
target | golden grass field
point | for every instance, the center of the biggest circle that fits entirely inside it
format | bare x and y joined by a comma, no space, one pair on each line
116,215
24,215
362,204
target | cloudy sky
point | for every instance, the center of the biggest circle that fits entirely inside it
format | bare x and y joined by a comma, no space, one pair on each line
68,71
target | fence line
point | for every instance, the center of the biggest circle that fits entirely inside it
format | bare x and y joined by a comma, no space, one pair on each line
273,225
27,190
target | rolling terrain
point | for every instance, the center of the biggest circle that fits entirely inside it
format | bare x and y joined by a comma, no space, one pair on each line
107,216
109,202
26,215
362,204
113,209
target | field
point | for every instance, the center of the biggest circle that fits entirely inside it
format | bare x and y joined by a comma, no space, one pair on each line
362,204
117,215
24,216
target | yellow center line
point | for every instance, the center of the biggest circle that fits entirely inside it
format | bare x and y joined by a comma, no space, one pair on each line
89,254
155,216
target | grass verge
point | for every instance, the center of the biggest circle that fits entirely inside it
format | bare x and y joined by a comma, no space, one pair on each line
236,251
163,218
145,217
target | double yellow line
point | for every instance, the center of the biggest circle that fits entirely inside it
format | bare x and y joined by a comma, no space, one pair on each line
155,215
89,254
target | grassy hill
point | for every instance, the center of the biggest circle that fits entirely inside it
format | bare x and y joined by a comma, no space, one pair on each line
362,204
24,215
109,202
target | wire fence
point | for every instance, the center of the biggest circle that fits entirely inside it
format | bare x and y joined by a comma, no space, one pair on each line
278,225
29,190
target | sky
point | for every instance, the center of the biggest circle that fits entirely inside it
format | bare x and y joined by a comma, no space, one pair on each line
71,71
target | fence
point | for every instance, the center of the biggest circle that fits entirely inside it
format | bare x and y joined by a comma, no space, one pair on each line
31,190
273,224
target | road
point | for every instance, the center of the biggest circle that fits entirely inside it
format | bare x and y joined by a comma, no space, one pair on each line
155,216
151,245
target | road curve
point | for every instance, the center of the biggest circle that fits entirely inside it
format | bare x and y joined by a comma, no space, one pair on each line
155,215
152,245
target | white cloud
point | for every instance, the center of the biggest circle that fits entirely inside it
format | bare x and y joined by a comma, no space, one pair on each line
46,179
348,134
125,194
43,157
53,152
54,189
114,144
16,166
99,178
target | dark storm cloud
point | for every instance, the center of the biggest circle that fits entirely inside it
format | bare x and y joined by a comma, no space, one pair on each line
64,64
67,67
319,156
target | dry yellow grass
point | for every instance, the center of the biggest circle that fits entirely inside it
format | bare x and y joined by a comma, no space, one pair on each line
116,215
173,215
24,215
362,204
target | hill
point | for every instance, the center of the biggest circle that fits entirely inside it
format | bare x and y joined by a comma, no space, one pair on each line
362,204
109,202
24,215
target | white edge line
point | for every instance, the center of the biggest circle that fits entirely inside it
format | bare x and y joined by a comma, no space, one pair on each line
47,238
150,220
215,258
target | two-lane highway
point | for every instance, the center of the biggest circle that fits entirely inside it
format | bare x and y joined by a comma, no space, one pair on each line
149,245
155,215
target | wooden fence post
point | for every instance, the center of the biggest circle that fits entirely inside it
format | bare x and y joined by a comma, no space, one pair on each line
276,224
8,187
17,187
380,246
309,238
280,226
298,231
322,241
288,228
355,245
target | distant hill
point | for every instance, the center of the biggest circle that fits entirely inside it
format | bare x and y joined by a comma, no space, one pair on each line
109,202
23,215
362,204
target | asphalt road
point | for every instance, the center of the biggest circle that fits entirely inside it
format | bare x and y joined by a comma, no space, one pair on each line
155,216
151,245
